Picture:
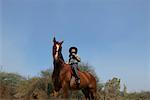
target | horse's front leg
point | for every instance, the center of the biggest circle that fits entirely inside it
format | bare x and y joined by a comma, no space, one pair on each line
65,93
65,88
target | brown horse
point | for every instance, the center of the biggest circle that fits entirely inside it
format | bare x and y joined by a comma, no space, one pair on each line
63,79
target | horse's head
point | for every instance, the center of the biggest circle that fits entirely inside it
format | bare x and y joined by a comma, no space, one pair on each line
57,48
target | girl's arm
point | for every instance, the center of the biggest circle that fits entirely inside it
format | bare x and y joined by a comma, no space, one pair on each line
77,57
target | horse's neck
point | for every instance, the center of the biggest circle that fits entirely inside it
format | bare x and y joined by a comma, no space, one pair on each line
61,57
58,65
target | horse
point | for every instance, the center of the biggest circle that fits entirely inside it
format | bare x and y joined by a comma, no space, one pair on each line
62,77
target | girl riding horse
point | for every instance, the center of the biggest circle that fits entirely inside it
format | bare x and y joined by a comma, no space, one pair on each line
62,76
73,61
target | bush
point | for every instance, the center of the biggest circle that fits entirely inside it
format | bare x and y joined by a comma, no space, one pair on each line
9,83
14,86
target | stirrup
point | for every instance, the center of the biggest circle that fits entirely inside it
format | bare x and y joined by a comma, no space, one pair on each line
78,81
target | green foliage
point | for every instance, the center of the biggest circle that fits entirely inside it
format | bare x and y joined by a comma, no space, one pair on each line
112,88
14,86
125,91
36,87
49,89
138,96
9,83
11,78
46,73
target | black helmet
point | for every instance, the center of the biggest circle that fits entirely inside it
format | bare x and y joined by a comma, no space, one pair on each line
76,50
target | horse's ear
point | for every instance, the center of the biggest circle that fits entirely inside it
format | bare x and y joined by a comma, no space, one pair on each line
61,42
54,39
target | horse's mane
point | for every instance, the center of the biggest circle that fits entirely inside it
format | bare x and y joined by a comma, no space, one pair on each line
61,57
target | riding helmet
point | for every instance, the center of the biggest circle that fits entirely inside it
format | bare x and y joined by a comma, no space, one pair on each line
76,50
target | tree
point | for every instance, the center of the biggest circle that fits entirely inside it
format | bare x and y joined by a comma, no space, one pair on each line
8,84
124,92
112,88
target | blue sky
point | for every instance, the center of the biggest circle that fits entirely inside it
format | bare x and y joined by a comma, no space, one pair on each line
112,35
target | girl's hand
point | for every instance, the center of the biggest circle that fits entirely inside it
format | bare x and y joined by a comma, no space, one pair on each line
73,54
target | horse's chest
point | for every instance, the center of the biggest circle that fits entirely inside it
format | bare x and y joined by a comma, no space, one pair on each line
64,76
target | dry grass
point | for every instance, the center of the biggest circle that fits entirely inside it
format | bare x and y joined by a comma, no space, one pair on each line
16,87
